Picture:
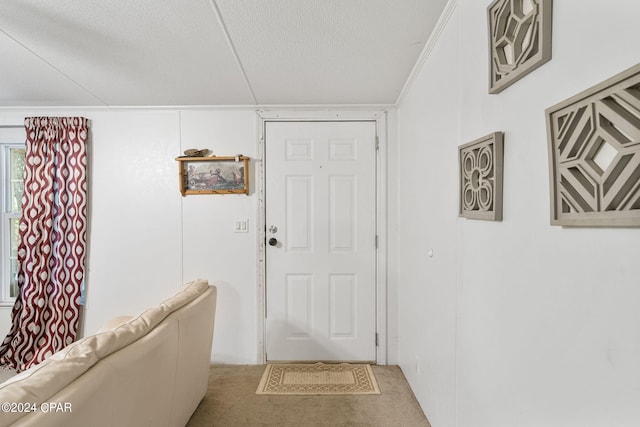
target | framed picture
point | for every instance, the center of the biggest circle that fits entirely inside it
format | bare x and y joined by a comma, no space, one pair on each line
214,175
481,167
519,40
594,155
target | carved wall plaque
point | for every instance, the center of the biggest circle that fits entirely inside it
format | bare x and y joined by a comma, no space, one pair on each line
594,154
519,39
481,178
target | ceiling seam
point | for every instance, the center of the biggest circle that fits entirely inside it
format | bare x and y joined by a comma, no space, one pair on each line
56,69
223,27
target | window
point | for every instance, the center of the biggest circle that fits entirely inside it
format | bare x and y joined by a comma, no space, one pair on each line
12,153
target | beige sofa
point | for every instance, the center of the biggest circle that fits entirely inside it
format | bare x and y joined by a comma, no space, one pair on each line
148,370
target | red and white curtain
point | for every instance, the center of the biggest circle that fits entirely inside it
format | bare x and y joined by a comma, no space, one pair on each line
52,246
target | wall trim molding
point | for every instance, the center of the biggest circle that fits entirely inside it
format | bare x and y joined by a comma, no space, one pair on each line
449,8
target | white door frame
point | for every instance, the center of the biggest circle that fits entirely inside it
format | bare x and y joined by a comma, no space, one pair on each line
380,118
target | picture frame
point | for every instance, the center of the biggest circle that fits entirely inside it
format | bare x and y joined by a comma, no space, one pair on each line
594,155
213,175
480,164
519,40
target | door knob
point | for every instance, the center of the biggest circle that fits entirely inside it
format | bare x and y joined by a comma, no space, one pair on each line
273,241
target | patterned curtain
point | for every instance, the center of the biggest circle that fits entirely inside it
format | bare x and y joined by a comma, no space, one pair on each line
52,245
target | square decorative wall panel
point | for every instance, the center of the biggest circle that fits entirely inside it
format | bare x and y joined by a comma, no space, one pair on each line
481,178
594,155
519,39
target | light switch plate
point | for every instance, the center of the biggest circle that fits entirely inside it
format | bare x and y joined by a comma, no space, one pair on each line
241,225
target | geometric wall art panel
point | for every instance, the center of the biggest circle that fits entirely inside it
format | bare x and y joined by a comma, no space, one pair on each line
481,178
594,155
519,39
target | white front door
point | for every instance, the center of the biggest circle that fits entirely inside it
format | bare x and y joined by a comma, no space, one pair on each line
321,241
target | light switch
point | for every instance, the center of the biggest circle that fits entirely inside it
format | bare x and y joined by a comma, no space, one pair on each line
241,225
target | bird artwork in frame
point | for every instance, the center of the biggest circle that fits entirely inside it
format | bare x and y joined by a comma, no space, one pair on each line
213,175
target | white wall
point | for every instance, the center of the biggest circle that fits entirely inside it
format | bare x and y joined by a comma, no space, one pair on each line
210,247
146,240
427,183
542,322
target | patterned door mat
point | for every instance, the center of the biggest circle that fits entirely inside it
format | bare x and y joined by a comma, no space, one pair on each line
317,379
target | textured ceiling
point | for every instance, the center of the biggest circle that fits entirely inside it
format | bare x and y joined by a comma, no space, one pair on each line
210,52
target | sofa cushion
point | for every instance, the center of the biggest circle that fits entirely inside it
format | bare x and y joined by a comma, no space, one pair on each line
40,382
138,326
114,323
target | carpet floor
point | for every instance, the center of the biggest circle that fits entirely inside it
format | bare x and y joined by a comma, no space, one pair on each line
5,374
231,400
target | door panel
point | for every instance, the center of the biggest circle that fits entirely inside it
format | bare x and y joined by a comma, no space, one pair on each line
320,271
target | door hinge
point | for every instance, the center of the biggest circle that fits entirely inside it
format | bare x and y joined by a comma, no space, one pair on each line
377,142
376,339
376,241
